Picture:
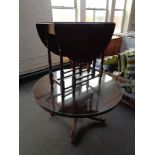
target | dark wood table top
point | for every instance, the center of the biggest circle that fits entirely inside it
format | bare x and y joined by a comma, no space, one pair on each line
89,101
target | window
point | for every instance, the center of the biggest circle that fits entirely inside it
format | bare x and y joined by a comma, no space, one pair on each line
96,10
119,13
93,11
64,10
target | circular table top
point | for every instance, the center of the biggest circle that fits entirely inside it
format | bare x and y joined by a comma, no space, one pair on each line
91,99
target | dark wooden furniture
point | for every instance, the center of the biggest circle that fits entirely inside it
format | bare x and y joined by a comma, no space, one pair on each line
91,99
114,46
81,91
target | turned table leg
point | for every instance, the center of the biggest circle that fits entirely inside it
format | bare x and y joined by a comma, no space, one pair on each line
73,130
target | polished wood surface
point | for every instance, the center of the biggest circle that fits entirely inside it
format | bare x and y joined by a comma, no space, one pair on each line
91,99
79,41
113,47
81,91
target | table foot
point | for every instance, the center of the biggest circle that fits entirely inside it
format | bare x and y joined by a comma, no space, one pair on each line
51,114
73,130
97,119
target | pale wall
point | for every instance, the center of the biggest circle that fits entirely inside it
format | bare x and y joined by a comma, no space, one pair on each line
32,52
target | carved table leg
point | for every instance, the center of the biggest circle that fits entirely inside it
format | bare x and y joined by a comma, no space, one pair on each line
97,119
73,130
